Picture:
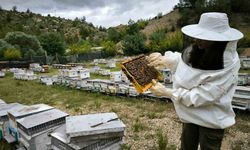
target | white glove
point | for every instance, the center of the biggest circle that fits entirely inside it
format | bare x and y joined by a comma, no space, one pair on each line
162,62
160,90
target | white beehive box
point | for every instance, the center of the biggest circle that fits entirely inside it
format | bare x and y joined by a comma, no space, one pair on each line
2,74
111,64
84,74
59,142
23,112
4,120
35,129
105,125
116,76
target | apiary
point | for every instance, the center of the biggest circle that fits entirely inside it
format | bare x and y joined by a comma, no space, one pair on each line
35,130
139,73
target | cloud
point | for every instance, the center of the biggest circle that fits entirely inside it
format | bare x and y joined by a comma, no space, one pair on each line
100,12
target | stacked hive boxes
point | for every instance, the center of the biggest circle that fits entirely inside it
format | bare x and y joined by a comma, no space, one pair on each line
93,131
35,130
22,112
4,120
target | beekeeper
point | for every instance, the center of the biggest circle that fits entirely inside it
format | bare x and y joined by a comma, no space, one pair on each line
204,80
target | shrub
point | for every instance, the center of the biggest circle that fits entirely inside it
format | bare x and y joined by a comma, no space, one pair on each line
12,54
4,46
173,42
79,48
245,41
24,42
53,43
134,44
109,48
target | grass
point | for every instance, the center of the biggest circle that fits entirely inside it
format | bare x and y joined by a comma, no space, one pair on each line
162,140
138,125
142,118
244,71
98,76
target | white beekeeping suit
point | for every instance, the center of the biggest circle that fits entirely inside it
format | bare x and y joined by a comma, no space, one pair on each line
203,97
191,97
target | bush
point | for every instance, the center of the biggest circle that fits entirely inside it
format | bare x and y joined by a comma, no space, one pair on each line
245,41
79,48
109,48
4,46
157,37
53,43
25,43
114,35
12,54
134,44
173,42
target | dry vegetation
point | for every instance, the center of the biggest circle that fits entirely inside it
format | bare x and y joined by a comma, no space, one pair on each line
150,125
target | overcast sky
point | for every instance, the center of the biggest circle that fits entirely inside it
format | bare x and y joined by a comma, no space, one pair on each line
100,12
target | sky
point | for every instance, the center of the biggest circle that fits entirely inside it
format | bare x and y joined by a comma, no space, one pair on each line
105,13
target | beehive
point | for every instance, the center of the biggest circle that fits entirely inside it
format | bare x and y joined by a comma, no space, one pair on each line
139,73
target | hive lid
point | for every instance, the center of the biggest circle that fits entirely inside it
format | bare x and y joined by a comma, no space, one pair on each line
2,102
28,110
7,107
40,118
107,144
93,124
139,73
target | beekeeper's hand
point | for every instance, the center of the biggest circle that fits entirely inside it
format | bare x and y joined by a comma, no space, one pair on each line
161,62
156,60
160,90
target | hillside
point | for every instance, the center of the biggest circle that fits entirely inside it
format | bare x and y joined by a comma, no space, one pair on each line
36,24
167,22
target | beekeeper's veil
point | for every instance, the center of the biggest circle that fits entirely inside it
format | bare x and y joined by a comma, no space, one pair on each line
214,26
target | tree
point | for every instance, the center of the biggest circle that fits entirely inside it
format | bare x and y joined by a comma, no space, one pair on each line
114,35
14,8
83,19
157,37
27,44
84,32
109,48
133,27
3,47
79,48
53,43
134,44
28,10
159,15
12,54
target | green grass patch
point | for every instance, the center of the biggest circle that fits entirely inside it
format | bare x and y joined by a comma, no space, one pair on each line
244,71
98,76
